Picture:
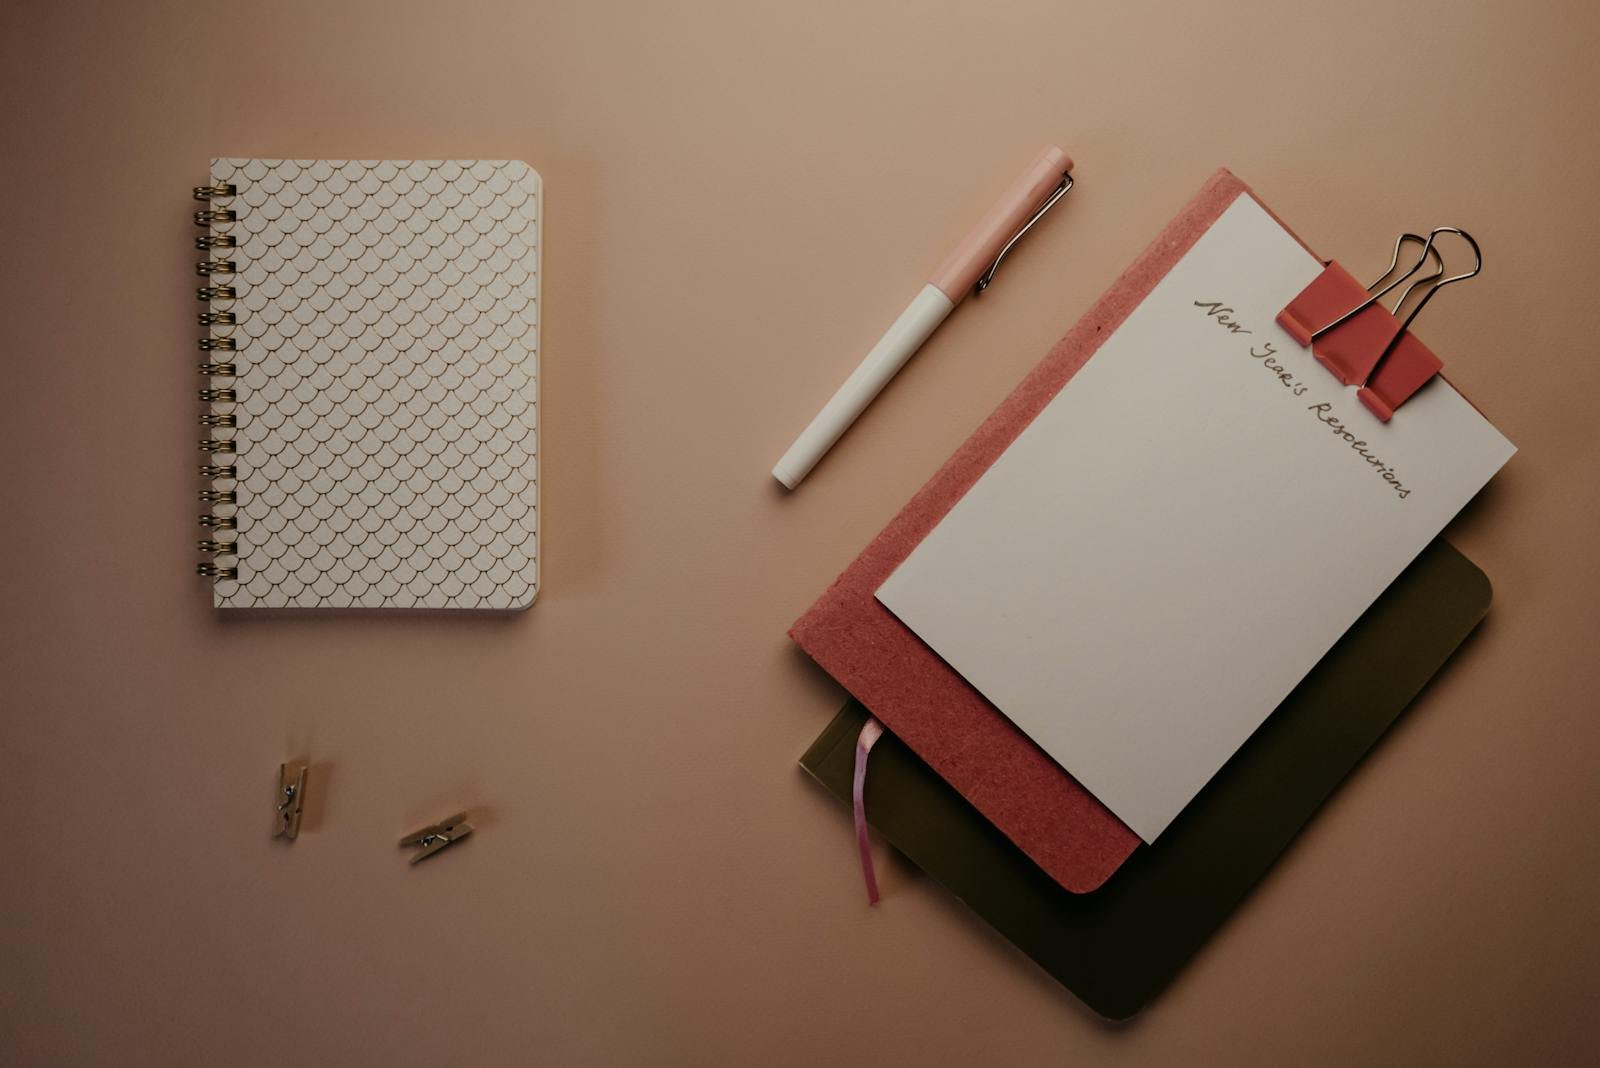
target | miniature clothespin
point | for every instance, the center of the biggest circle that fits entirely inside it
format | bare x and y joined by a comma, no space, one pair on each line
1361,342
437,836
291,799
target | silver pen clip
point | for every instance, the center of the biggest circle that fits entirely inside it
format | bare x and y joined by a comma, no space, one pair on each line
1049,202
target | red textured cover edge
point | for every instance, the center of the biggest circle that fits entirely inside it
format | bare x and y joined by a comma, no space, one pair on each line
925,702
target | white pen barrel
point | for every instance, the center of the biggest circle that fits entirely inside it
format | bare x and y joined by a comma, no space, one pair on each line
904,336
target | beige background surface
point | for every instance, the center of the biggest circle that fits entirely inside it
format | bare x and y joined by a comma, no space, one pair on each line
740,195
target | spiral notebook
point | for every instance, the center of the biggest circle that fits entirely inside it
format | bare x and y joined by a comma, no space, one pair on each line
370,383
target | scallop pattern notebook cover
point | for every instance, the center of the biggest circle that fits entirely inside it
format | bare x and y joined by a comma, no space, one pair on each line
375,419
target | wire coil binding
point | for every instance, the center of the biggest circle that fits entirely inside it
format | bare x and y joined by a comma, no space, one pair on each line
210,217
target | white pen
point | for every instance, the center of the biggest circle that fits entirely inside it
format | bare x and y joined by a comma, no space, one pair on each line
968,269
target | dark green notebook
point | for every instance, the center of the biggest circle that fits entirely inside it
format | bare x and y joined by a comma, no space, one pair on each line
1117,947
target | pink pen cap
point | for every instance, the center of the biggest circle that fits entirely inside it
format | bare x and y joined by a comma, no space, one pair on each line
1034,191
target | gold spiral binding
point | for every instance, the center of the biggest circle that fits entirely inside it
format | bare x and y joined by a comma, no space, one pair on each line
209,395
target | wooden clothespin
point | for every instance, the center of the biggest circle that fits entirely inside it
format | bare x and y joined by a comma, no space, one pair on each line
437,836
291,799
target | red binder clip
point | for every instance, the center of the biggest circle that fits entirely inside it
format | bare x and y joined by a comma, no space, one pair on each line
1362,342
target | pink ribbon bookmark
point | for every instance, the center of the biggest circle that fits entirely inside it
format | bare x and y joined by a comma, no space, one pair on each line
871,731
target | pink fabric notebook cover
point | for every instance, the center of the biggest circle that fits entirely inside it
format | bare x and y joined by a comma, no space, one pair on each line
925,702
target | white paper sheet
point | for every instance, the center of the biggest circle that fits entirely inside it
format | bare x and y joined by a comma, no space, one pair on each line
1186,529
